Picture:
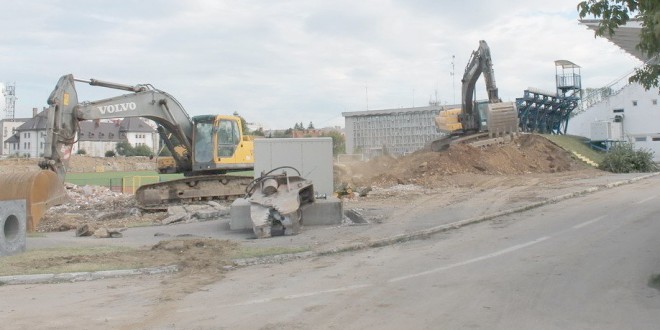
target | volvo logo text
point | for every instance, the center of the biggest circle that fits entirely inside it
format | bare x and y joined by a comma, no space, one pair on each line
112,108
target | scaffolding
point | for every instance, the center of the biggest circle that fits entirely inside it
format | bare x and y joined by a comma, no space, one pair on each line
391,131
547,112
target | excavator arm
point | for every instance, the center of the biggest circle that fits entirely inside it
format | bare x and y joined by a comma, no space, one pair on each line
480,62
495,117
143,101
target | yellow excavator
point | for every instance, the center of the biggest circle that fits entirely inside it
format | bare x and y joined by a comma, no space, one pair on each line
204,148
476,119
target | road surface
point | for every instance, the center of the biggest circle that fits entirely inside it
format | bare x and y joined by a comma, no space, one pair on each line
584,263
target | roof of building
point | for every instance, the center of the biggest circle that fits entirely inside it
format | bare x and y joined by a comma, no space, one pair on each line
17,120
13,139
397,110
625,36
135,125
96,131
36,123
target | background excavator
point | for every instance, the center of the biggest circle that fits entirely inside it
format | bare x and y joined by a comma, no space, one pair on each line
476,119
204,148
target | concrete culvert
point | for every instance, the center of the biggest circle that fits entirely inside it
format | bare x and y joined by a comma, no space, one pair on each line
13,225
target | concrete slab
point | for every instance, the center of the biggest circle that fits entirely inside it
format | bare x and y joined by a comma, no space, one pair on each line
322,212
13,227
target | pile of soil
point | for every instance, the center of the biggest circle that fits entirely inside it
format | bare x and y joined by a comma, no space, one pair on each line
526,154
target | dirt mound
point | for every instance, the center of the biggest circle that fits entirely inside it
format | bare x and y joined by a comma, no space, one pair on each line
527,153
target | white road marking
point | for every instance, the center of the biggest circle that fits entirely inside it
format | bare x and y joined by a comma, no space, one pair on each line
645,200
405,277
293,296
586,223
470,261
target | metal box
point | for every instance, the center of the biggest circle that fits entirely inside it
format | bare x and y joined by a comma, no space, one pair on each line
311,156
606,131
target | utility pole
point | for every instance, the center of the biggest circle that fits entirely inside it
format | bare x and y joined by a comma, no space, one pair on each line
453,77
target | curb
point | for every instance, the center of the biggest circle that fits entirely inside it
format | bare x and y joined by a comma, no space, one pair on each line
420,234
83,276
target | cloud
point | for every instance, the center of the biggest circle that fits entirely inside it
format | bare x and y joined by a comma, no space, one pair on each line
282,62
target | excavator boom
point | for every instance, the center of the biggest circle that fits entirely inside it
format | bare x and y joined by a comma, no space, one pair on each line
493,116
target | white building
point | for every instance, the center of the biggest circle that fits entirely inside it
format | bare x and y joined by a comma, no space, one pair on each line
632,114
393,131
627,112
7,130
138,132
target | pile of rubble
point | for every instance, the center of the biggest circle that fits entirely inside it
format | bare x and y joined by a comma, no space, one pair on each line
100,212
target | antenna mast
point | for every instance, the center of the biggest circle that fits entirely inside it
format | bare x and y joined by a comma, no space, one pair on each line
10,99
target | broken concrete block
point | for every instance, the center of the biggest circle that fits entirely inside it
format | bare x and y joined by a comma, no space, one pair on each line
102,233
176,218
84,230
176,209
210,213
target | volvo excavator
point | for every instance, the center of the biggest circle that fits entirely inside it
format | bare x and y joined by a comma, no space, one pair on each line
476,119
212,145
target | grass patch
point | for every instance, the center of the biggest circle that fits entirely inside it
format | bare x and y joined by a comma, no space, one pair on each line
256,252
577,144
35,234
65,260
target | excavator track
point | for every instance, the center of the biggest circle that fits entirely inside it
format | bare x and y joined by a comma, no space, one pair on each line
158,196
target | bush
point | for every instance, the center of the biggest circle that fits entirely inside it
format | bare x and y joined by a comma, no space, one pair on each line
623,158
110,153
142,150
81,152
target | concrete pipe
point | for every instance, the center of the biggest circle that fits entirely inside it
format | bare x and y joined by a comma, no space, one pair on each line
13,220
40,190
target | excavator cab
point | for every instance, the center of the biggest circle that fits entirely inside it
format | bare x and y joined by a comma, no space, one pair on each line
219,145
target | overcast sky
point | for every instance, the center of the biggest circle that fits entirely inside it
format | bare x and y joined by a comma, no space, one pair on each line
282,62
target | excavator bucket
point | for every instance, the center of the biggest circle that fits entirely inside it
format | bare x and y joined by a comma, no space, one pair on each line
502,119
38,190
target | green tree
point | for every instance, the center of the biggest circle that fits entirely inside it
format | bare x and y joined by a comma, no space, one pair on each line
614,13
124,148
338,142
142,150
244,125
310,126
259,132
110,153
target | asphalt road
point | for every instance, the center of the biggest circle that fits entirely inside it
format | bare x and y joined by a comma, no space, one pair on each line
584,263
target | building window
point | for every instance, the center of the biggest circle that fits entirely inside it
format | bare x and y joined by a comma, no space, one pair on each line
640,139
617,110
656,139
634,103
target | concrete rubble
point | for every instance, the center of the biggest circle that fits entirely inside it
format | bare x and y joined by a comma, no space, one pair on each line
195,212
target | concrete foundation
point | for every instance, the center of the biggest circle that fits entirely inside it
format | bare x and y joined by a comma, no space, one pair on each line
322,212
13,227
